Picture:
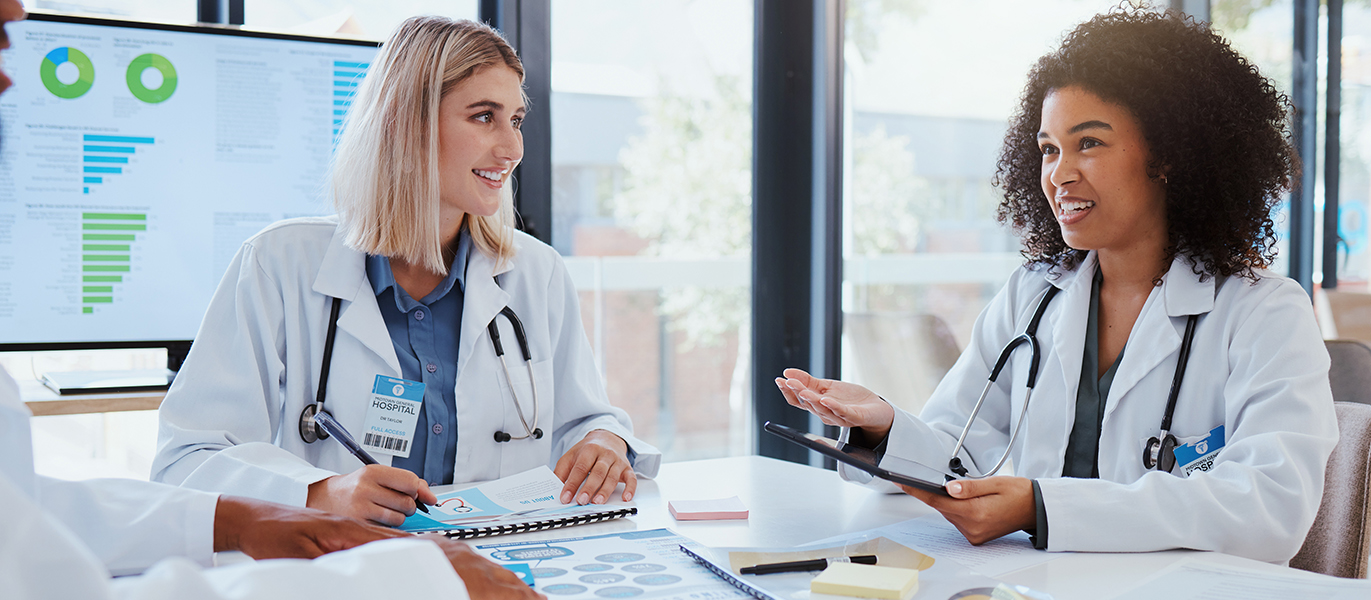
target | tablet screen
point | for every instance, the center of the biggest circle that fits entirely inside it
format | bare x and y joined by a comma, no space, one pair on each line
891,468
894,464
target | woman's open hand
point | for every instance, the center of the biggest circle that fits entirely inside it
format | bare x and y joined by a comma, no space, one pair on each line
838,402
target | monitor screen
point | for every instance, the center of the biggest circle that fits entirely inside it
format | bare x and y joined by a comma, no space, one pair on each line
135,160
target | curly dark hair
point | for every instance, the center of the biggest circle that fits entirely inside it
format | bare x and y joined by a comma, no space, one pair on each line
1211,120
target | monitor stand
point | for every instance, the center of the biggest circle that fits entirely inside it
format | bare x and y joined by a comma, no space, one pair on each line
109,382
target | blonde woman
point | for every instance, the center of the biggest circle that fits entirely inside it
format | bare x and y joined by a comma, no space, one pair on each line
383,316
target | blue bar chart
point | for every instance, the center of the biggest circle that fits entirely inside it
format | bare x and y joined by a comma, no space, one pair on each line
346,77
103,155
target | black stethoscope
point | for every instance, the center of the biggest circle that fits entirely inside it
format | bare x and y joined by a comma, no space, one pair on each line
1160,451
310,431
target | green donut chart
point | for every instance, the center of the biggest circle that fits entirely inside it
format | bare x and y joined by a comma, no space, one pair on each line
134,77
85,78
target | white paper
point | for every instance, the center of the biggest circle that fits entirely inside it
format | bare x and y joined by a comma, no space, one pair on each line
1197,580
938,578
934,536
643,565
530,492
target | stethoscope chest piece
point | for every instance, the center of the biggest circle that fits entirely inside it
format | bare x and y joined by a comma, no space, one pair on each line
309,430
1160,453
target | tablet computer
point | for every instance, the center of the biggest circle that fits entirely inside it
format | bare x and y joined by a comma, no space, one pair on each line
910,473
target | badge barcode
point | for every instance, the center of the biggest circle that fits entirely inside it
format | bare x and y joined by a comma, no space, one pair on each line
385,442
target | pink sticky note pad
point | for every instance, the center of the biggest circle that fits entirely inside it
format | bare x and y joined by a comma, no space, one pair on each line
707,510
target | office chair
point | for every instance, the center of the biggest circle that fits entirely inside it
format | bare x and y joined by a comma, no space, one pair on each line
1350,371
901,356
1340,542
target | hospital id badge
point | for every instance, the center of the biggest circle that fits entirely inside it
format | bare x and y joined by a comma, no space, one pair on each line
1199,455
392,416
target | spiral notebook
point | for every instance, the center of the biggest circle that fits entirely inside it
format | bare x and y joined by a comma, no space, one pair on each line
520,522
726,574
514,504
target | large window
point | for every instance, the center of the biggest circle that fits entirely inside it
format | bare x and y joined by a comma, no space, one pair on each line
930,90
367,19
1354,197
651,152
1263,32
181,11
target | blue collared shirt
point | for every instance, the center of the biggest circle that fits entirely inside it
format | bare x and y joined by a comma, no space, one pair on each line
425,334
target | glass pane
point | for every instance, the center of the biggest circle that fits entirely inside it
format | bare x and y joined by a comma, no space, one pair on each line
927,110
1354,179
179,11
651,153
369,20
1264,33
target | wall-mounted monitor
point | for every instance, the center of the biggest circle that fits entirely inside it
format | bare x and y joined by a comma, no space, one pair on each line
137,157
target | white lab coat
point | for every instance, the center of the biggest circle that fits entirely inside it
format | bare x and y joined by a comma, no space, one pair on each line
1258,367
63,539
230,422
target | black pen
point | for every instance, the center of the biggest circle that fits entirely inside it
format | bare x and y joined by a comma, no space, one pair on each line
817,564
336,430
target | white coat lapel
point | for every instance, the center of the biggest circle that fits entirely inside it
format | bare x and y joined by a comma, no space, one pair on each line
1156,336
343,274
483,299
1068,322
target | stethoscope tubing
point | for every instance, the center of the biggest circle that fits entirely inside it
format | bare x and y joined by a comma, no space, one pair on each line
1156,447
1030,337
310,431
519,336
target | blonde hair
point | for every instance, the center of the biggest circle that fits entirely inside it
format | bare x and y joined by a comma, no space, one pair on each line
385,171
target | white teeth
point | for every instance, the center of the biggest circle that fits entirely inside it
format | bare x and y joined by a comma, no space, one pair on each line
1071,206
491,175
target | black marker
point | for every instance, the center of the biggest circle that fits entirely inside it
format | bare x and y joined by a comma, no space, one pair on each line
796,566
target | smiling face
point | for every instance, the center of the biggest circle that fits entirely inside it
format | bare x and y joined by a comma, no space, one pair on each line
1095,175
479,142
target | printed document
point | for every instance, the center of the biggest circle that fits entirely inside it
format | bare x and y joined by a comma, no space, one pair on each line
1192,579
527,495
938,538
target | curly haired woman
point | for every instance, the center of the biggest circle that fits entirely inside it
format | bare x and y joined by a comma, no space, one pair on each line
1140,170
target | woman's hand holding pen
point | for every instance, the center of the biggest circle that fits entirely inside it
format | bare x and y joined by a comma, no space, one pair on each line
838,403
595,466
376,493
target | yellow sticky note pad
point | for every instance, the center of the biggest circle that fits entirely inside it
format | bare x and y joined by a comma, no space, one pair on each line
866,581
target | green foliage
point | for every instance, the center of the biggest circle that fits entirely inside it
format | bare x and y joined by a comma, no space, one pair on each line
1233,15
688,191
886,196
865,18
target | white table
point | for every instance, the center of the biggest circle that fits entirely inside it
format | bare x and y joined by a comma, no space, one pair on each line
793,504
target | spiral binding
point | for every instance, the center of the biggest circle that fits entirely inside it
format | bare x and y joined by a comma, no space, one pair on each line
540,525
726,575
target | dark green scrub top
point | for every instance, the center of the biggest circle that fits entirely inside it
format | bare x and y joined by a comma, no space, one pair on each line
1083,446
